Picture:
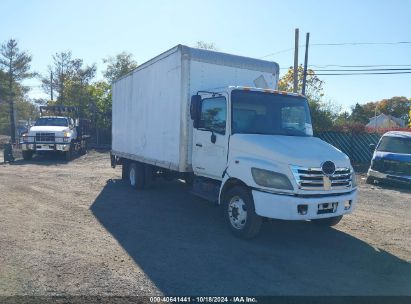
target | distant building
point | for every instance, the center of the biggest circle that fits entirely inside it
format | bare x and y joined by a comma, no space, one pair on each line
384,121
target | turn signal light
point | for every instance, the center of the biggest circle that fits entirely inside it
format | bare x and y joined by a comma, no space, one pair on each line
302,209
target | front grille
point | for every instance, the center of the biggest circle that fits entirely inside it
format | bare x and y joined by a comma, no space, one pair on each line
315,179
391,167
45,137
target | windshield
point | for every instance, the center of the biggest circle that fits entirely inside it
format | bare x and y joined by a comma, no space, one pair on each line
395,145
271,114
52,121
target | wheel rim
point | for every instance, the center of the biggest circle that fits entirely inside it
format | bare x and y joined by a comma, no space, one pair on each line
132,176
237,212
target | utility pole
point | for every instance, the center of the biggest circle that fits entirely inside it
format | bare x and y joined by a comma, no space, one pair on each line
51,85
375,116
307,41
296,62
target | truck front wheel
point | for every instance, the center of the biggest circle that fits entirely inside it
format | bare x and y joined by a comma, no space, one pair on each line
136,175
239,213
27,155
329,221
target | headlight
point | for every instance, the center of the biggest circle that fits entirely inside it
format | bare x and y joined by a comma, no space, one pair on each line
25,138
271,179
66,136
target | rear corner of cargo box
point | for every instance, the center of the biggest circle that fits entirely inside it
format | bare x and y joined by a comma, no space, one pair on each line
146,112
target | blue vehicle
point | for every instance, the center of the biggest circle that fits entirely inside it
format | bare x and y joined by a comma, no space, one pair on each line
391,160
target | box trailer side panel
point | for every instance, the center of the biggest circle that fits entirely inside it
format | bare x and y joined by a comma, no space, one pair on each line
146,107
151,120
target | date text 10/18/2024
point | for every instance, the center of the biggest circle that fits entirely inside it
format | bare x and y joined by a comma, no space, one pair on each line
203,300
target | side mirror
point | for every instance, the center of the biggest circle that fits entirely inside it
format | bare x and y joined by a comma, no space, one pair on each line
372,147
195,109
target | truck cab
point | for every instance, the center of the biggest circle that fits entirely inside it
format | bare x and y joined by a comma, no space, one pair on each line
257,147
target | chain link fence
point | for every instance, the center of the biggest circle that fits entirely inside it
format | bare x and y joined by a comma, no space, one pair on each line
100,138
355,145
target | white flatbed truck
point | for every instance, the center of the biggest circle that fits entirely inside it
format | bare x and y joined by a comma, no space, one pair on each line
56,131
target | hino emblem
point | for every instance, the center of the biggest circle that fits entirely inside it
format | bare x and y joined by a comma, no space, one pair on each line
328,168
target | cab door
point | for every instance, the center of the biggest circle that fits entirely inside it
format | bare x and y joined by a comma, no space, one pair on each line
210,139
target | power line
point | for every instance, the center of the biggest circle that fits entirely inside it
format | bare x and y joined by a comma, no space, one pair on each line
279,52
340,44
360,70
358,66
364,43
371,73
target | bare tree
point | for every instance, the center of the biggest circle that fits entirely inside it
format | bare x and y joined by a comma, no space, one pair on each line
16,65
206,45
67,72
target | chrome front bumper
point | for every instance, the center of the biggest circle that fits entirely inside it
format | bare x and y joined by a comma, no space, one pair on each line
45,147
287,207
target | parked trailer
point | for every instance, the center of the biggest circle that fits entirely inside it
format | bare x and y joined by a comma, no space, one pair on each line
218,121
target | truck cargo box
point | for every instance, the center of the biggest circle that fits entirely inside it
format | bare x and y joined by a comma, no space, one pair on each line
151,120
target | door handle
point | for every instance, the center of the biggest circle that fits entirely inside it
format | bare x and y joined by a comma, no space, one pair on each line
199,145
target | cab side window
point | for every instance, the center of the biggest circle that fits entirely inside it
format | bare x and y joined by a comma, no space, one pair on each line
214,114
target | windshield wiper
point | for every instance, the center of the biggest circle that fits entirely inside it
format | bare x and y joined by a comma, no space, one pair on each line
295,133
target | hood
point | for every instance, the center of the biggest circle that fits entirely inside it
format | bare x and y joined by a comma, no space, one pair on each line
48,129
290,150
392,156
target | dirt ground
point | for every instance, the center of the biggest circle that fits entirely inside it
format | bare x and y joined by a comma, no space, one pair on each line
76,229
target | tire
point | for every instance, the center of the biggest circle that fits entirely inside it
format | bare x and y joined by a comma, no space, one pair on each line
124,170
68,155
148,175
243,225
27,155
136,175
370,180
329,221
83,150
189,179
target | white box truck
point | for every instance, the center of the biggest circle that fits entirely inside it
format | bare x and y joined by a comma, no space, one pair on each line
217,121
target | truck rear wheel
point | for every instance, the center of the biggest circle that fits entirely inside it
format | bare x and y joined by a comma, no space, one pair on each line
136,175
124,170
329,221
69,154
27,155
239,213
83,149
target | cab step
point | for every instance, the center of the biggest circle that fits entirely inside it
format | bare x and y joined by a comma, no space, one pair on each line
206,188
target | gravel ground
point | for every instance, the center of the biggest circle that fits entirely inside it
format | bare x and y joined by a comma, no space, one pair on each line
76,229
